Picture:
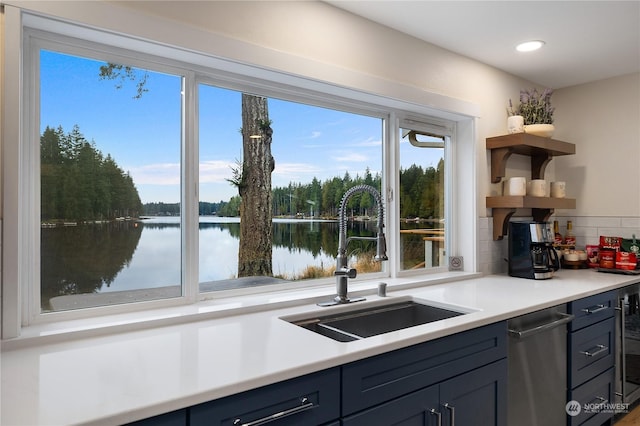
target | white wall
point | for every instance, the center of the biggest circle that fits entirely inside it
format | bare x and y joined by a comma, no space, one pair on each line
603,120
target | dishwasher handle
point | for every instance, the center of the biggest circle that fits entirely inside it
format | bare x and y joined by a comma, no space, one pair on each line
522,334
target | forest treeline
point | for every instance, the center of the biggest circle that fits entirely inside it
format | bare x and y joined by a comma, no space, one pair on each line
421,195
78,183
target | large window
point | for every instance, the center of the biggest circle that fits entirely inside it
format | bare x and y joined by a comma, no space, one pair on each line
141,165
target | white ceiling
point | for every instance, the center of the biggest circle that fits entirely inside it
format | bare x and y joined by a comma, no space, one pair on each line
585,40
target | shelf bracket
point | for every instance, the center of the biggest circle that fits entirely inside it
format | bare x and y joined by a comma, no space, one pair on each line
501,218
541,215
499,157
538,165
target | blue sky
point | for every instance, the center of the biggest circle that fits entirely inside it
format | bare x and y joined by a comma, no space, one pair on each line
143,135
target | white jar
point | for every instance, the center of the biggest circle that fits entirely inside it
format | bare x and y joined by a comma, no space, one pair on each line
515,124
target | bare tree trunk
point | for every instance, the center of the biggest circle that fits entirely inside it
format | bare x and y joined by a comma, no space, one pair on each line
255,253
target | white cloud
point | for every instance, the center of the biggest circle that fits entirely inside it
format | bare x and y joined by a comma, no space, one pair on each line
368,143
216,171
295,169
169,173
156,174
351,157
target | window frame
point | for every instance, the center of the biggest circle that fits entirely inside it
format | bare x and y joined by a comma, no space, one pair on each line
19,284
210,77
445,129
34,41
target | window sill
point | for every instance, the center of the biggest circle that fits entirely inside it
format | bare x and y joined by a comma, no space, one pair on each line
62,331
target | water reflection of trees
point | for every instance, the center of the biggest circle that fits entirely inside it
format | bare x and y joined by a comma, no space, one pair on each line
82,259
314,237
311,236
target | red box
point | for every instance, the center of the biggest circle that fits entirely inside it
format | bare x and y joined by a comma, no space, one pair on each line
626,261
610,242
607,258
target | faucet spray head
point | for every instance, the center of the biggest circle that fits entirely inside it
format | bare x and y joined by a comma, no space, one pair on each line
381,249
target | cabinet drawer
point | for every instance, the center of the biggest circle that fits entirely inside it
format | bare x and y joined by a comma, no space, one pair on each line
308,400
591,351
419,407
592,309
592,398
382,378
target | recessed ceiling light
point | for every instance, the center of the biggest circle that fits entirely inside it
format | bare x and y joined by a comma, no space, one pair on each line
530,46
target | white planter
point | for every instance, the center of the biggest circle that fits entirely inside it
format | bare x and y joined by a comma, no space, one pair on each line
544,130
515,124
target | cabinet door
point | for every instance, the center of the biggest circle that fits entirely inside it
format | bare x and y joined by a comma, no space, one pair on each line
308,400
478,397
372,381
419,408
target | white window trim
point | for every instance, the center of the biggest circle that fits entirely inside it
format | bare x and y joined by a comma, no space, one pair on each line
15,228
446,129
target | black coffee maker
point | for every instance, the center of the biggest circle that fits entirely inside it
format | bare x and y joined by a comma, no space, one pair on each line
531,252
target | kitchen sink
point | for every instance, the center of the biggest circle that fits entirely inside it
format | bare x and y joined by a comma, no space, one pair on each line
362,322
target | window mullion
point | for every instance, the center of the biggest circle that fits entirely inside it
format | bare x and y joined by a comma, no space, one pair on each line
390,176
190,197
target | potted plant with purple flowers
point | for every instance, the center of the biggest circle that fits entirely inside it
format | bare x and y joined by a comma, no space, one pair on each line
537,112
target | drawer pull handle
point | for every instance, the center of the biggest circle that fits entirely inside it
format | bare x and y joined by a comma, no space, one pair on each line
306,405
598,400
438,416
595,309
452,410
598,350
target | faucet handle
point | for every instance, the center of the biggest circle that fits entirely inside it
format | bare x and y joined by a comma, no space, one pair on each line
349,272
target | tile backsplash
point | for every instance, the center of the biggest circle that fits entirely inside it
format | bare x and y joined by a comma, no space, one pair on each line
587,229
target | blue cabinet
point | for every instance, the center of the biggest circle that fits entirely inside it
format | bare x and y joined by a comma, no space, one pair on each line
593,397
384,377
313,399
472,398
591,360
476,397
591,351
456,380
418,408
592,309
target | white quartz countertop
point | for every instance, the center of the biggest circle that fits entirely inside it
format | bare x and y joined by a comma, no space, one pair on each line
127,376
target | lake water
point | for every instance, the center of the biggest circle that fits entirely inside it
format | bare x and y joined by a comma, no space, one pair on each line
130,255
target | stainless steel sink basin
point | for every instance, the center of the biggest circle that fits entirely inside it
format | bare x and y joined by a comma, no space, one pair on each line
362,322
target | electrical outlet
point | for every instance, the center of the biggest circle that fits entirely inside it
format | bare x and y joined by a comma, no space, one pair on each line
456,263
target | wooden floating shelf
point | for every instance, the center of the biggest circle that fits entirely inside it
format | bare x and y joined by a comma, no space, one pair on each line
541,150
526,144
541,209
524,202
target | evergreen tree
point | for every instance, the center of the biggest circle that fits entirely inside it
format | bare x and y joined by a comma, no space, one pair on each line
79,184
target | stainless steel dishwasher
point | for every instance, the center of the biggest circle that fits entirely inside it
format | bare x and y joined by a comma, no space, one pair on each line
538,368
